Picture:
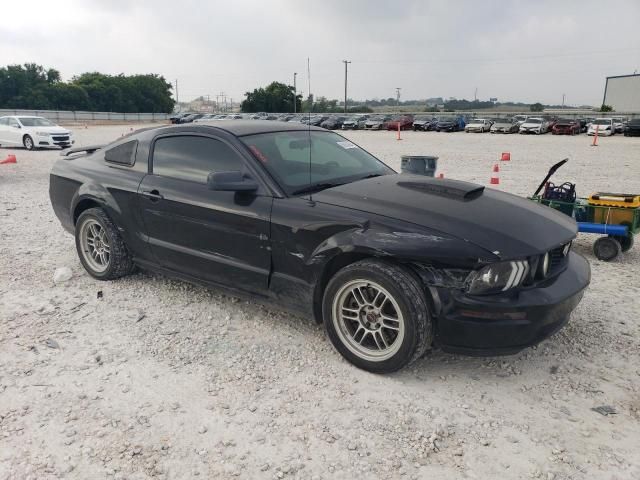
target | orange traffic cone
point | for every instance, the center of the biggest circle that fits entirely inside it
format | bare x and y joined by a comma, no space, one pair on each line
10,159
495,177
398,132
595,137
505,157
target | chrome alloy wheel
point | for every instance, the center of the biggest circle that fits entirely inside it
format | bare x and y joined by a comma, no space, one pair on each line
368,320
95,245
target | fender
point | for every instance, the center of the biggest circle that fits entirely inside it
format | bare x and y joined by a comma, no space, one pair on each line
426,252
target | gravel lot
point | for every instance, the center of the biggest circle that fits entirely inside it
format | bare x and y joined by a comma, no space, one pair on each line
159,378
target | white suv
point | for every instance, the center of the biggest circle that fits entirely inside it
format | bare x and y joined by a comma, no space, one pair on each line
33,132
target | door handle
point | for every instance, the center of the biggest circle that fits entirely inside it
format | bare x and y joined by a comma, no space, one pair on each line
153,195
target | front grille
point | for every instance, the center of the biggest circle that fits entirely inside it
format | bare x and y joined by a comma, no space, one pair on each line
61,138
557,258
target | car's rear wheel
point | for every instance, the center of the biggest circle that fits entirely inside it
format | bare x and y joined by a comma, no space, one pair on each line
376,315
100,247
27,141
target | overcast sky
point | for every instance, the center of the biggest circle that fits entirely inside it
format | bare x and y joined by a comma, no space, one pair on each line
517,50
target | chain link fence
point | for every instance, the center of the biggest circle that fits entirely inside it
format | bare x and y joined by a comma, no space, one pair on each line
70,117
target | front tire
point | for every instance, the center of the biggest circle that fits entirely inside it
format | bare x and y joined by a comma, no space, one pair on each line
27,141
100,247
376,315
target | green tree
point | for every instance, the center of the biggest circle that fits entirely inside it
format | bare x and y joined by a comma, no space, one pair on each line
30,86
606,108
274,98
536,107
63,96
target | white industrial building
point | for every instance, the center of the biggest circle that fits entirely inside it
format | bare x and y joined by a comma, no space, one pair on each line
623,93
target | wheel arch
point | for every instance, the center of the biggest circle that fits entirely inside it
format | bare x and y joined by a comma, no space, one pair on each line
82,205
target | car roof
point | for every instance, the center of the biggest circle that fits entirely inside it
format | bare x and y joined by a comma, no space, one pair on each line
241,128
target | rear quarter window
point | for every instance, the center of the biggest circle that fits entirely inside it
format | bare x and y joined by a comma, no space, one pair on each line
123,154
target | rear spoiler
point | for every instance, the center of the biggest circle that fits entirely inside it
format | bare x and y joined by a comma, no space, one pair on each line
89,149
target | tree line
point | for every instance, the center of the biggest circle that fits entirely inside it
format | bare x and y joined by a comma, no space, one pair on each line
32,87
278,98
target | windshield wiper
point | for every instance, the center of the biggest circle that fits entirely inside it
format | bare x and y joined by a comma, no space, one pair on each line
373,175
316,187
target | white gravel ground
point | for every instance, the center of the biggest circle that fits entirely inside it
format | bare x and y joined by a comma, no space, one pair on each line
159,378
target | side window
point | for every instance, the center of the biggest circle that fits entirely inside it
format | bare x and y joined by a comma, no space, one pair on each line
4,121
124,154
13,122
193,158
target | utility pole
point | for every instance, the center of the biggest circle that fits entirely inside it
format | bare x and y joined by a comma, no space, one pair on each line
563,100
398,96
295,92
475,94
224,99
346,64
177,97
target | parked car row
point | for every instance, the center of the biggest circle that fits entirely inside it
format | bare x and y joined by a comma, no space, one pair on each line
523,124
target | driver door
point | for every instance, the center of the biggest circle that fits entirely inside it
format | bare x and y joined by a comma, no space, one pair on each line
216,236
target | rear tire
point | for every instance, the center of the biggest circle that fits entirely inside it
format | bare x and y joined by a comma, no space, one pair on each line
606,248
626,243
100,247
377,316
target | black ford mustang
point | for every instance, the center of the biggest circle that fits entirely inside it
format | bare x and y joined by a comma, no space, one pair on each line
392,264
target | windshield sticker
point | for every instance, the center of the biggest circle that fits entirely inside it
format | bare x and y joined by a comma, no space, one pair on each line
347,145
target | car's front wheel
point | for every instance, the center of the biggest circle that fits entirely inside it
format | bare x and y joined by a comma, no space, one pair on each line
376,315
100,247
27,141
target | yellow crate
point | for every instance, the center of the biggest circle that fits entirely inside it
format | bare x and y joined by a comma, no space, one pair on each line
622,208
624,200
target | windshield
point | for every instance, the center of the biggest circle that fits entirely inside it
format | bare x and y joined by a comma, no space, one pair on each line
478,120
334,159
533,120
448,119
602,121
35,122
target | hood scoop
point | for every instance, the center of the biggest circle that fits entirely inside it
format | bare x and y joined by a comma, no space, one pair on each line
453,189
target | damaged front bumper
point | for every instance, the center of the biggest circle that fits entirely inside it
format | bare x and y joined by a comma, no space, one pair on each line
505,324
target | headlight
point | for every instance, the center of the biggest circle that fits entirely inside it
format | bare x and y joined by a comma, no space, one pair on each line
42,134
497,277
543,266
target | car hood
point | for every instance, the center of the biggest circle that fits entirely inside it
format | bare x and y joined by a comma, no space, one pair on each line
53,129
531,125
509,226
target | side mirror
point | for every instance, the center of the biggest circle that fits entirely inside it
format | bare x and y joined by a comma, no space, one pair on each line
231,182
15,125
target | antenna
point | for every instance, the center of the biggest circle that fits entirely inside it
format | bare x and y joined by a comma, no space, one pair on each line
309,122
